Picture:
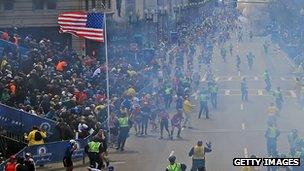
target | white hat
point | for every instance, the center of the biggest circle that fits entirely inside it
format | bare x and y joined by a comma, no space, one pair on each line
72,141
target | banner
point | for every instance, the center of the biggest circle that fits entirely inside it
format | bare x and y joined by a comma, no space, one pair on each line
19,122
52,152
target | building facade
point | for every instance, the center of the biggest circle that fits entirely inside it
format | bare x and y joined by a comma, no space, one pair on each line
41,15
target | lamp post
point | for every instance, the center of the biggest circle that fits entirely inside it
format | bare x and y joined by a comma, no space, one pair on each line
148,16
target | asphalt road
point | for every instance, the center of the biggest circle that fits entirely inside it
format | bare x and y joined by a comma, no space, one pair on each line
236,129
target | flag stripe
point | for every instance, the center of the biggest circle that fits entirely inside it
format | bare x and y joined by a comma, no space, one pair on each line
86,25
74,23
71,19
82,28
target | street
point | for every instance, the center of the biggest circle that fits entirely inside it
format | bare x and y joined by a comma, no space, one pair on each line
236,129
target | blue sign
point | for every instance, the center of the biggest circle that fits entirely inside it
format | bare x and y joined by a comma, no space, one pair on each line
52,152
19,122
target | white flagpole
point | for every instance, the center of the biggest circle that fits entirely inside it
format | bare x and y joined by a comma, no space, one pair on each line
107,73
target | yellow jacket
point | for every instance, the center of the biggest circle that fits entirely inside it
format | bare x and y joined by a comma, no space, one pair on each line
31,138
131,92
249,168
187,106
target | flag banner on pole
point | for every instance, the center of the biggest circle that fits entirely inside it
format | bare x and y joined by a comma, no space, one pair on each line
82,24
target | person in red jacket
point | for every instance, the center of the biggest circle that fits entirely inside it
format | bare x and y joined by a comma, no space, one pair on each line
11,164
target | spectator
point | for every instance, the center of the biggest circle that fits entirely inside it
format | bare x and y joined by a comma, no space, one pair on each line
20,166
11,164
29,162
35,137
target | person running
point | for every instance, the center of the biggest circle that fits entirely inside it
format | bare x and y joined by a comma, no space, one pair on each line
136,117
265,46
272,114
250,58
67,159
244,90
176,122
164,122
231,49
238,62
213,89
278,98
204,103
146,112
223,53
267,80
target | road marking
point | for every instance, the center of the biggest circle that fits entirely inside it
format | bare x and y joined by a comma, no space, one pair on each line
243,126
217,78
293,94
283,79
256,78
245,152
171,154
260,92
242,107
239,73
230,78
227,92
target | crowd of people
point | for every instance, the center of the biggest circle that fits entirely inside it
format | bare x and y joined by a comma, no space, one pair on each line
69,88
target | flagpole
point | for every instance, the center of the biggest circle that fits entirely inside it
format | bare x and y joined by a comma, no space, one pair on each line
107,73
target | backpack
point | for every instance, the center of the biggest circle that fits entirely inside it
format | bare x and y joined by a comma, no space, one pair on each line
38,136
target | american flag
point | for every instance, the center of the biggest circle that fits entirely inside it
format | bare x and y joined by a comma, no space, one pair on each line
86,25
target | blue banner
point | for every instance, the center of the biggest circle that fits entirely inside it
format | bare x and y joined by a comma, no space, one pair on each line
52,152
19,122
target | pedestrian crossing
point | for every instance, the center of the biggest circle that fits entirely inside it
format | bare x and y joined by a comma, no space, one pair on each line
255,92
251,92
251,78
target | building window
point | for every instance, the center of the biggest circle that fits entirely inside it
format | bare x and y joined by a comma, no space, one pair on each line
93,4
8,4
51,4
87,5
38,4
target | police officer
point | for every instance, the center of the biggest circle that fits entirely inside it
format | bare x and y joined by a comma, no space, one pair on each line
124,127
271,135
198,156
213,92
204,103
94,149
175,166
244,90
